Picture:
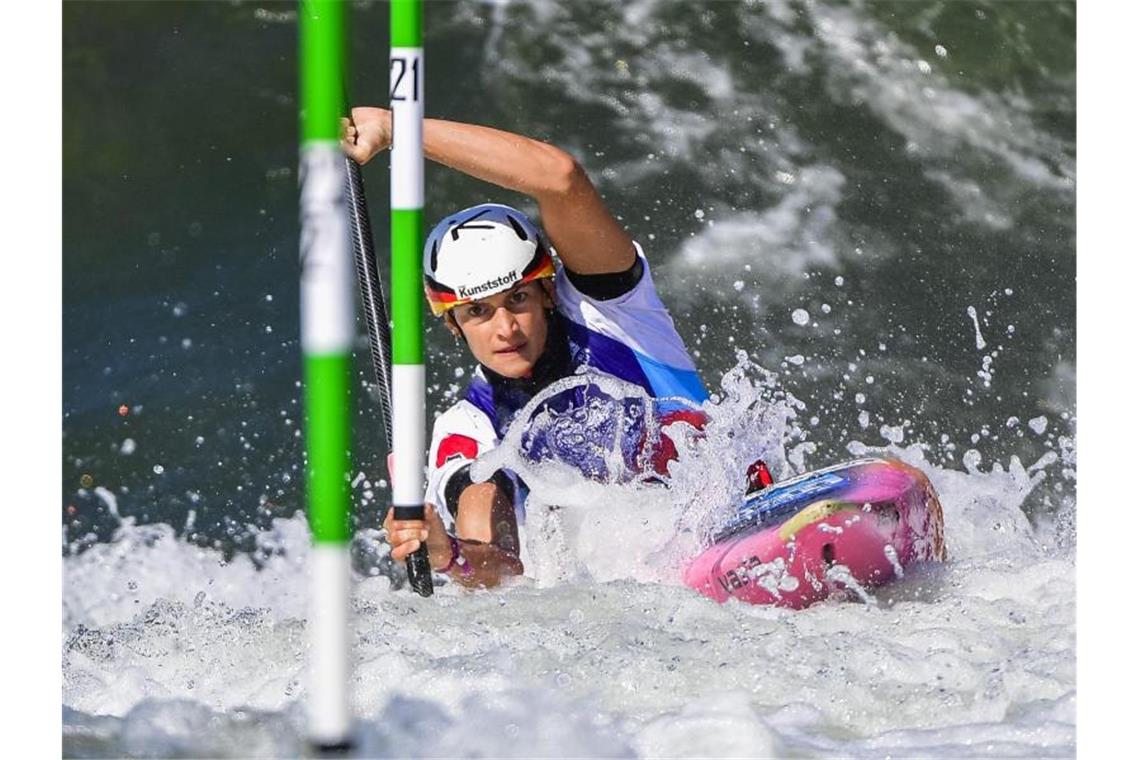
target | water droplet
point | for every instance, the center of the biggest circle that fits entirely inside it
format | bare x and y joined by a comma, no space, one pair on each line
979,341
159,469
800,317
892,434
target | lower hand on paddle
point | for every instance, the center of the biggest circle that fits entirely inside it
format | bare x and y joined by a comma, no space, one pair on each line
367,132
406,536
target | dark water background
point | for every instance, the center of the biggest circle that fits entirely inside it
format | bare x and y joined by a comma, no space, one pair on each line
923,152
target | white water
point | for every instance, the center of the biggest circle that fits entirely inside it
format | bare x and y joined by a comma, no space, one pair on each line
170,650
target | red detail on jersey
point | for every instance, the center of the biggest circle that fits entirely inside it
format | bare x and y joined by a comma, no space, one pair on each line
694,417
666,451
456,445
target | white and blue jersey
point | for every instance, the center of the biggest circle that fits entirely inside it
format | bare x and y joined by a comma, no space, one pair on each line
631,337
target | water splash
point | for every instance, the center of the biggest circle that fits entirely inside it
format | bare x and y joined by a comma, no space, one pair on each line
841,576
893,557
972,313
163,637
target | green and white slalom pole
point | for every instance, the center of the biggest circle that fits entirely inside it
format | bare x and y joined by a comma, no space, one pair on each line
406,77
327,331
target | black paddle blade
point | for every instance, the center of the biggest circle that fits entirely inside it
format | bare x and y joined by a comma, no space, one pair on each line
419,572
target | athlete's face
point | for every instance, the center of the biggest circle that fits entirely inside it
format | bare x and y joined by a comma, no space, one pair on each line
507,331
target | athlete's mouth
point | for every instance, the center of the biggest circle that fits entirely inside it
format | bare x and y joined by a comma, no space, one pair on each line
511,350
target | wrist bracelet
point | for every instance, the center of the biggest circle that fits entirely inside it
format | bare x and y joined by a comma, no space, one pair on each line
456,559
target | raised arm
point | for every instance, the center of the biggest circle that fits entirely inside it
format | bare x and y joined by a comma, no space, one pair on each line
583,231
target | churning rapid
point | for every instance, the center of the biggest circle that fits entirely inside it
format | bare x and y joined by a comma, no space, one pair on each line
862,219
599,651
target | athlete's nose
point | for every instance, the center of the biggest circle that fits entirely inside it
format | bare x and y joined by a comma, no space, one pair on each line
505,322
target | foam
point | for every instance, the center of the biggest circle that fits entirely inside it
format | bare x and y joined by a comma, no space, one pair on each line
169,649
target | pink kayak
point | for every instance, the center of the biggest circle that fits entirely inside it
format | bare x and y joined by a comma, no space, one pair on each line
844,528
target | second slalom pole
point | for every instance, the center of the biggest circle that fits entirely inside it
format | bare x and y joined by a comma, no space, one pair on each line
406,78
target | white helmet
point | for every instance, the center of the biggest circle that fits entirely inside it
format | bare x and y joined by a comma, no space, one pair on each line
480,251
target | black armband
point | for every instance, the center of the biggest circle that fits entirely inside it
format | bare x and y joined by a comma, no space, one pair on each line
608,285
459,481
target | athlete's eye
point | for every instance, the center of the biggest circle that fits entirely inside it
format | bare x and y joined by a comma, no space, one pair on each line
475,310
519,296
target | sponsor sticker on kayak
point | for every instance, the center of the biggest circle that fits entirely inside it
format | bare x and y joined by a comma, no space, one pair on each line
777,496
764,507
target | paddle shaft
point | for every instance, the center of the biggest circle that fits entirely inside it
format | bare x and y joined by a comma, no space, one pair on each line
379,336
